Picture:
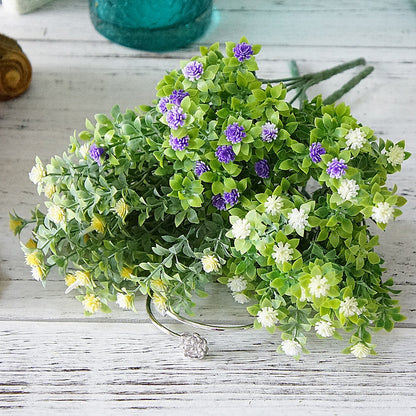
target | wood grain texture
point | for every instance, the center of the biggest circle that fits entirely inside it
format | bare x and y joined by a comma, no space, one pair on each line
53,359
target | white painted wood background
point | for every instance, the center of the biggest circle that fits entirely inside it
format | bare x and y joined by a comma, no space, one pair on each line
53,359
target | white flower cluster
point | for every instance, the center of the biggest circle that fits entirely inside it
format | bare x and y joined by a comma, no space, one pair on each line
324,329
298,219
355,139
348,189
210,264
282,252
291,347
360,350
318,286
382,213
241,229
273,205
37,173
267,317
349,307
395,155
237,284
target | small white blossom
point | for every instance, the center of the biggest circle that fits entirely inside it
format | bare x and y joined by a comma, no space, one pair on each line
291,348
210,264
240,297
382,213
37,273
324,329
37,173
83,150
395,155
318,286
273,204
267,317
348,189
56,214
298,219
349,307
355,139
241,229
360,350
237,284
282,252
124,301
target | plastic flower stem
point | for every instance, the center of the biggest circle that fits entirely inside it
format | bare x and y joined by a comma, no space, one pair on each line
294,70
319,76
348,86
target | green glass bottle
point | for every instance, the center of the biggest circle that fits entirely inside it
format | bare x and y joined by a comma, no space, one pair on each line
152,25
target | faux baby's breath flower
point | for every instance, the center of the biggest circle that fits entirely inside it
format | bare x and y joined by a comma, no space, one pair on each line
355,139
348,189
121,208
33,258
291,347
324,329
125,301
49,190
241,229
38,273
235,133
210,264
298,219
98,225
160,302
382,213
82,277
336,168
395,155
316,151
37,173
126,272
360,350
175,117
56,214
262,168
218,202
282,252
70,279
84,150
193,70
349,307
269,132
240,297
237,283
243,51
267,317
231,198
273,204
318,286
91,303
158,285
177,143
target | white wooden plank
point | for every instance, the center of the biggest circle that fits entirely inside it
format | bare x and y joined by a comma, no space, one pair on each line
85,367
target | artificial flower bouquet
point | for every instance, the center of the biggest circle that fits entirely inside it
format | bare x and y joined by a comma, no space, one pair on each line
224,180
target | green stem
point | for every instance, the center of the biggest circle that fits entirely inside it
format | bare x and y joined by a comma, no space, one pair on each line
294,70
348,86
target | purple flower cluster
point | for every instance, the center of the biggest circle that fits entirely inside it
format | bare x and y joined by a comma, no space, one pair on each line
175,98
336,168
262,168
269,132
243,51
235,133
219,202
175,117
315,152
193,70
96,153
231,197
225,154
200,168
179,144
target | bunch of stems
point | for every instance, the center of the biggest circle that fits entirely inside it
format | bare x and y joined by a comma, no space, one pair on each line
301,83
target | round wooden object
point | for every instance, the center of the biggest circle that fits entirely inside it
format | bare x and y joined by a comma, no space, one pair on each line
15,69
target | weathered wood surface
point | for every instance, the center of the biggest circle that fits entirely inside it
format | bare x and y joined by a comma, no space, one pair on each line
53,359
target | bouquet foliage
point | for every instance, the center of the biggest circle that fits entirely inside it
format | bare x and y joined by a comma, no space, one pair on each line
222,179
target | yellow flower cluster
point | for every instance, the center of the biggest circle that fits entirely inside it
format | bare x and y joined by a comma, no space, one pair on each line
91,303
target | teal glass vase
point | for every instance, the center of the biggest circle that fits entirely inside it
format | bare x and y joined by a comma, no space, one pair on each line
151,25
